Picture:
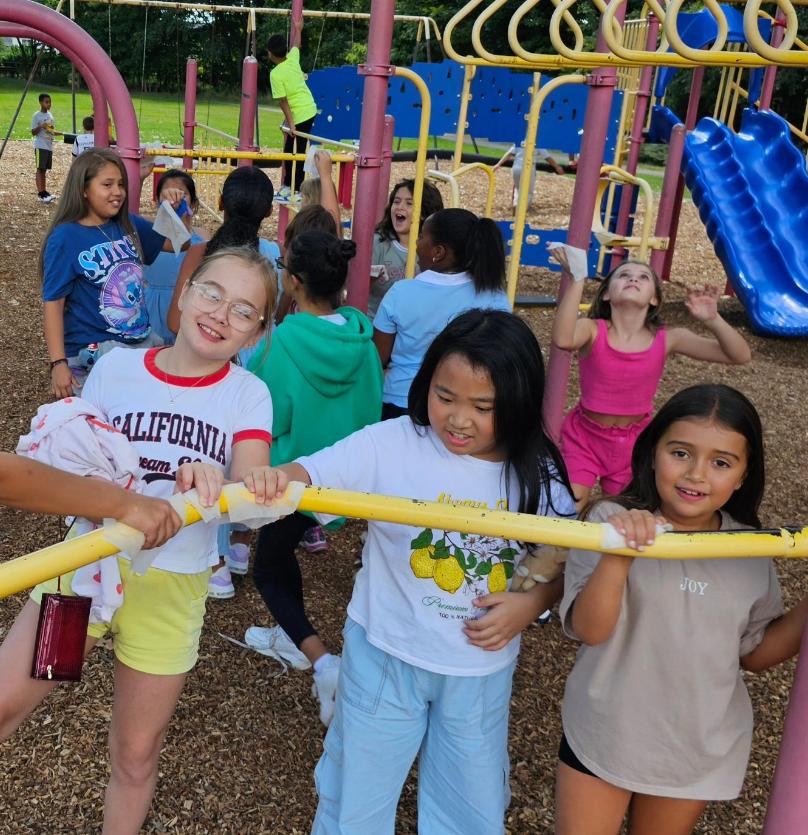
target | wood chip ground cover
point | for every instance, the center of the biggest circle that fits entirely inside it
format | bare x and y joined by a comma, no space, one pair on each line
243,743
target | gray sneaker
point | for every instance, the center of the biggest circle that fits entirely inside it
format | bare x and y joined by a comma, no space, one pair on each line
275,643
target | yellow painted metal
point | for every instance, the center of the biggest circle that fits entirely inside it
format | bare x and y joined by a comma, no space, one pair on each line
514,22
224,153
606,238
536,102
24,572
454,187
462,117
781,55
489,171
420,162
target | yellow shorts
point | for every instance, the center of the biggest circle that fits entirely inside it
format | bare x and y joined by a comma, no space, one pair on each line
157,628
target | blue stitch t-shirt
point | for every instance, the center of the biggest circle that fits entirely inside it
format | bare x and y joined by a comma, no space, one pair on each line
97,271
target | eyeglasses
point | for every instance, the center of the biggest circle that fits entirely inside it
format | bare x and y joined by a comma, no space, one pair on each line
280,264
207,298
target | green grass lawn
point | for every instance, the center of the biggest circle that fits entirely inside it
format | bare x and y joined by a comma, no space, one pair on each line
159,116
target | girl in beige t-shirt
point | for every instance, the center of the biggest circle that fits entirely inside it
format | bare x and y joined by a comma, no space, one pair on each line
657,719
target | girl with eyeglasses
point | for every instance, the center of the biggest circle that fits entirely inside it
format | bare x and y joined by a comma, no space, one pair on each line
325,378
195,420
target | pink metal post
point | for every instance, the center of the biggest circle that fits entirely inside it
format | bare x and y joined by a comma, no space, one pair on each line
370,157
72,37
788,801
189,122
297,13
690,123
671,198
387,159
767,88
636,140
596,124
249,109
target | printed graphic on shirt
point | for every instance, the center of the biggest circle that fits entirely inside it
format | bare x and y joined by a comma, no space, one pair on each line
114,267
477,564
392,272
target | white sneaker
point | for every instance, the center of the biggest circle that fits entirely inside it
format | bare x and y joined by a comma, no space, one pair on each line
325,688
50,198
238,558
276,644
283,195
220,584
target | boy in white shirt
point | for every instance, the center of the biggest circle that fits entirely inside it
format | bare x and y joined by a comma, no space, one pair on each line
43,133
84,141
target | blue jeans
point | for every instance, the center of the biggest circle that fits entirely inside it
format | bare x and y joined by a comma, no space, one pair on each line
387,713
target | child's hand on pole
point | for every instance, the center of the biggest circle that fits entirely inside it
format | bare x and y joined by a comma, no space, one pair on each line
267,483
207,479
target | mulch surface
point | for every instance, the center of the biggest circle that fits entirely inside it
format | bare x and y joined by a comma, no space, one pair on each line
243,743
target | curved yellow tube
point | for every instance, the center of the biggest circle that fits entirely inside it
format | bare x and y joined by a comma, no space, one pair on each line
473,166
514,22
24,572
782,54
420,163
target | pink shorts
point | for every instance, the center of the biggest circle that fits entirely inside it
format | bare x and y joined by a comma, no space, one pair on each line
593,451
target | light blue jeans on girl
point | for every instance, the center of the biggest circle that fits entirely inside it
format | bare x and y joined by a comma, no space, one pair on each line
388,713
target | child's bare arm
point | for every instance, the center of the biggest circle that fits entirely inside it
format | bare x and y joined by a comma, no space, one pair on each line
728,347
62,379
571,333
781,640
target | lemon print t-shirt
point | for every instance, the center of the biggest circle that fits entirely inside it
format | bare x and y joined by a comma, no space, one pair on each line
416,585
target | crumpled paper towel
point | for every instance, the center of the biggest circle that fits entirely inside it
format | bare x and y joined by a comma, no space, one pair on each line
168,224
576,258
610,538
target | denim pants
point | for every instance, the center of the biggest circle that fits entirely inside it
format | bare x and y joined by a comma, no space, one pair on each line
387,713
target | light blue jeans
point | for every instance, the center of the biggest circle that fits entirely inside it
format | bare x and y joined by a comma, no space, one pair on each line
387,713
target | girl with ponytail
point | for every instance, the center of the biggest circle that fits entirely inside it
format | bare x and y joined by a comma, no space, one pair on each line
462,262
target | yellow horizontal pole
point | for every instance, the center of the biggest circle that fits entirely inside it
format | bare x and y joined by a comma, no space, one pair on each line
223,153
24,572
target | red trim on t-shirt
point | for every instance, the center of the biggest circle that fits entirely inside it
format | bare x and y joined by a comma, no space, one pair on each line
208,380
253,435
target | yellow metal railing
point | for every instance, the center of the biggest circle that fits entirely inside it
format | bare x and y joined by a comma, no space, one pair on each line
25,572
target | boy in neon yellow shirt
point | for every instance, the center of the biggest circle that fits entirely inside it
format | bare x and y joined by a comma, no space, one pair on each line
297,103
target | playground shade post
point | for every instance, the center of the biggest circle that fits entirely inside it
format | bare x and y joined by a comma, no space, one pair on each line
670,198
767,88
387,159
596,125
189,122
377,71
249,108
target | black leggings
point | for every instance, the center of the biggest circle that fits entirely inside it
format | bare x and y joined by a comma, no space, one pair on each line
277,576
296,145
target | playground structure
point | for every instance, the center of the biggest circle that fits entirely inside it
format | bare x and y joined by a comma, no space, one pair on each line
624,61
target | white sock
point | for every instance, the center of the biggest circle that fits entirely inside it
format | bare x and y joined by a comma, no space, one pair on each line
321,662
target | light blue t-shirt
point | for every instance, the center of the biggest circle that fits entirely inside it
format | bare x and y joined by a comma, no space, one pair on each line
269,249
416,311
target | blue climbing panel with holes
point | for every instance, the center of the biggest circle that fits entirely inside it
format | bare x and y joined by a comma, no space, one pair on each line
497,111
534,246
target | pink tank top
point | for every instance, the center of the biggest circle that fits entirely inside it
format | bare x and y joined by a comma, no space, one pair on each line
617,383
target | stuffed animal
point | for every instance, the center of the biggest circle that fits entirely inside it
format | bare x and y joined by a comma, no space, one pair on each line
542,564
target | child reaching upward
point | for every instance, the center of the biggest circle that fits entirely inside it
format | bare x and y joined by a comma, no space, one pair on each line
656,716
195,420
462,260
622,347
432,634
392,237
91,268
325,379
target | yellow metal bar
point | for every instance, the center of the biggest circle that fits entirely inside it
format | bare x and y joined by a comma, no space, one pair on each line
223,153
539,95
513,26
777,55
25,572
462,117
420,163
481,166
454,188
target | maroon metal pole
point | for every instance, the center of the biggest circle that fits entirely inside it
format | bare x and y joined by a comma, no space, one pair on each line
636,139
670,199
189,122
387,159
72,37
297,13
371,150
767,88
249,109
664,265
788,801
596,124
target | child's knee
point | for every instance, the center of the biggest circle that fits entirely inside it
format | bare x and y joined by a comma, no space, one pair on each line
134,758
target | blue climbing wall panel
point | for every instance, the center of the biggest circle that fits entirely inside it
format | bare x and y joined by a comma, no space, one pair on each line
497,111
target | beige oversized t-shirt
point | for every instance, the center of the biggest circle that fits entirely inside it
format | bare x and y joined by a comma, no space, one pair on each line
660,706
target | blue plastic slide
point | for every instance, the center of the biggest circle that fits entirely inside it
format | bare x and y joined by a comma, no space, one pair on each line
751,190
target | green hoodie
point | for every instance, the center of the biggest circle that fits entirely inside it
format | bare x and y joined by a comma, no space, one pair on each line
325,380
